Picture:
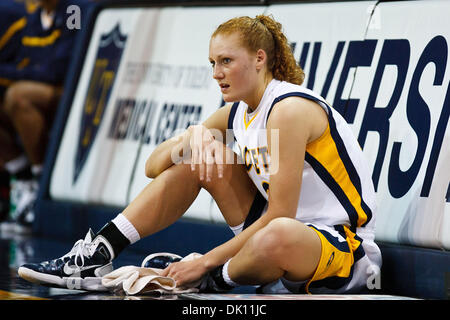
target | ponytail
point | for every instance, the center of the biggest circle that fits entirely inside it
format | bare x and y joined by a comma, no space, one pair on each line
263,32
284,67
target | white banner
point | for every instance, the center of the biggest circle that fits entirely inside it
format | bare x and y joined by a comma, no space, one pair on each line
162,84
384,67
85,154
402,120
385,71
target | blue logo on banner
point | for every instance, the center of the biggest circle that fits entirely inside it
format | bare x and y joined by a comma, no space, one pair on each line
101,82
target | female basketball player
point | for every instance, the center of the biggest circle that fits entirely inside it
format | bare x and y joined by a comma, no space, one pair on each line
302,206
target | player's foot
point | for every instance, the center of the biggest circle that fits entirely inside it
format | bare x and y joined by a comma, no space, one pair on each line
213,282
82,268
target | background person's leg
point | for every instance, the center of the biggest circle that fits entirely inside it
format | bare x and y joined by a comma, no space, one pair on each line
31,107
8,140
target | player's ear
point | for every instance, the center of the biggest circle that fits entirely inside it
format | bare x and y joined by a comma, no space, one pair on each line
261,59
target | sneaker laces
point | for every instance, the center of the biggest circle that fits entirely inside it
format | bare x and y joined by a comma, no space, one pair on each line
79,250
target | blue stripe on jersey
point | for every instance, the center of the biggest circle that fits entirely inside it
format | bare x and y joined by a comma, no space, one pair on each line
256,210
351,170
341,245
232,114
353,174
291,94
359,252
326,177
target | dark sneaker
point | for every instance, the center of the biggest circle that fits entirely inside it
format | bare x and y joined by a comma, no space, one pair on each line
82,268
160,260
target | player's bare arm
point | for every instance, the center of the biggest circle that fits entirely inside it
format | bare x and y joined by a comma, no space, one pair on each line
162,157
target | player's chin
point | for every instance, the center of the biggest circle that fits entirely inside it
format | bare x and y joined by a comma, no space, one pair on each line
227,97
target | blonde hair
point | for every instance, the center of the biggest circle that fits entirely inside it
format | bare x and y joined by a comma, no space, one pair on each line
263,32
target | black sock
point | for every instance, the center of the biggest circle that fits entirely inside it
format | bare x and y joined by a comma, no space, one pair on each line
24,174
217,275
115,238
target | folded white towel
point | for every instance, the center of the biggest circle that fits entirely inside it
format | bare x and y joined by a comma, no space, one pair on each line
133,280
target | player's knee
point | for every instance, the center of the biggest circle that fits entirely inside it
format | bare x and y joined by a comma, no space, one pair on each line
213,181
265,243
14,99
216,181
276,239
11,98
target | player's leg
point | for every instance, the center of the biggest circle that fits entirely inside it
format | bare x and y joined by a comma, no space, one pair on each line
299,254
159,204
30,105
284,248
167,197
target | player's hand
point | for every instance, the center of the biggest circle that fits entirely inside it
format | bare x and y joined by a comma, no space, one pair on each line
185,273
207,152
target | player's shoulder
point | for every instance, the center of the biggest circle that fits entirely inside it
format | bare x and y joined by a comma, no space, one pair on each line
294,109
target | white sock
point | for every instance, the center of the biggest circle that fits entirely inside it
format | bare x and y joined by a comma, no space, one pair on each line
127,228
36,169
15,165
226,277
